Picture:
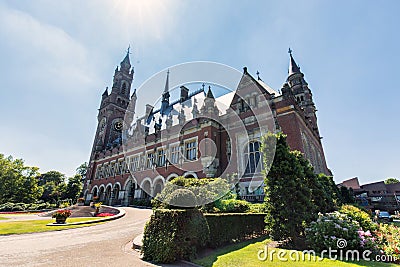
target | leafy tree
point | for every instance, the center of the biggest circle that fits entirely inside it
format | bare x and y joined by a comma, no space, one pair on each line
18,183
53,184
73,187
288,198
391,181
52,177
82,169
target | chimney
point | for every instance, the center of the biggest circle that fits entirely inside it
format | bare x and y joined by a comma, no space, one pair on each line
184,93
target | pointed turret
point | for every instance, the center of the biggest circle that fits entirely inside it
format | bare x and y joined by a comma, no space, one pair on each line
105,94
293,67
165,109
209,107
209,93
126,63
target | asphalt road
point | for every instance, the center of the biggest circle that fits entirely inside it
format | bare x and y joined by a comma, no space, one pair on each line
107,244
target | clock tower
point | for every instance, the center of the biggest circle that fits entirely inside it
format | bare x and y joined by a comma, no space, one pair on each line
113,107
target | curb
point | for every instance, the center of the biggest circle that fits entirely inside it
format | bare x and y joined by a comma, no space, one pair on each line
121,214
137,242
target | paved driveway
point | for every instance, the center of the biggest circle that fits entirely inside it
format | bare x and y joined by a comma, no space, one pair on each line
101,245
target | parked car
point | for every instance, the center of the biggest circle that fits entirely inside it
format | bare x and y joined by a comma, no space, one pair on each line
384,215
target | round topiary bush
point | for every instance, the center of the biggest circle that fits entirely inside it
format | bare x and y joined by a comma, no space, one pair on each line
181,198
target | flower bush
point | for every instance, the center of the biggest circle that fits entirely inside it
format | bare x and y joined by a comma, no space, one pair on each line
62,213
362,217
327,229
388,236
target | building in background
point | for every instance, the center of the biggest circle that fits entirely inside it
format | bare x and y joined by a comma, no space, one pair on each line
375,196
168,138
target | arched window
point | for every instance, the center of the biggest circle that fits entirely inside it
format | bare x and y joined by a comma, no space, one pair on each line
123,88
253,158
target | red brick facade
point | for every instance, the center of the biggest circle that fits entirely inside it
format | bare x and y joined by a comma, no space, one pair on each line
183,144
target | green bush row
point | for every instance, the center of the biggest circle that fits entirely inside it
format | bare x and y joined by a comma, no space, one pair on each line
9,206
228,228
174,234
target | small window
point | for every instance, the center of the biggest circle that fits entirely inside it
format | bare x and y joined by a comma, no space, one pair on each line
191,150
174,154
150,160
161,158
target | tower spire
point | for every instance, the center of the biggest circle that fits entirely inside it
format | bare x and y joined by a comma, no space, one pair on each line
293,67
126,63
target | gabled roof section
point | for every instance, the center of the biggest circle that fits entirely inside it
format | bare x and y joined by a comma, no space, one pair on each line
247,78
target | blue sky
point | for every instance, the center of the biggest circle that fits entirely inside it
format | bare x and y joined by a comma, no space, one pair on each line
58,56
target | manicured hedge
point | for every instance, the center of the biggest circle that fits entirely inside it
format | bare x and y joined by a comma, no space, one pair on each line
232,227
174,234
9,206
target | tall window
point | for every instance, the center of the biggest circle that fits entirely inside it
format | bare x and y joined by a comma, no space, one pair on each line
191,150
161,157
123,89
252,158
150,160
135,163
174,154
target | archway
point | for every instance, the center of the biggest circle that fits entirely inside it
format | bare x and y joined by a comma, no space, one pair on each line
107,196
95,191
130,188
115,195
146,189
158,185
101,193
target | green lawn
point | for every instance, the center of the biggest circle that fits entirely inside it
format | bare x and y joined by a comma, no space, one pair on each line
245,254
35,226
2,218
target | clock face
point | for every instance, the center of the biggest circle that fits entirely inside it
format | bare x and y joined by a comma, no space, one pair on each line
118,126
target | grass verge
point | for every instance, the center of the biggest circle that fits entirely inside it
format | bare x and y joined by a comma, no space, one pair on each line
36,226
2,218
245,255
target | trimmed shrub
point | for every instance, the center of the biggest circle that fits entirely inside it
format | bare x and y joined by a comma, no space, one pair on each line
233,206
174,234
257,208
181,198
228,228
362,217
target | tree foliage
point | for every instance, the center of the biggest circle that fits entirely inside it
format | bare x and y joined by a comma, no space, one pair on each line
391,181
18,183
294,194
24,184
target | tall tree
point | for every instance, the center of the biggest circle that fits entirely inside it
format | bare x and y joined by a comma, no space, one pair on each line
74,187
82,169
18,183
288,198
53,184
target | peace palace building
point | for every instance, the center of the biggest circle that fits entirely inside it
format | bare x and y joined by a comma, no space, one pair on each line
173,139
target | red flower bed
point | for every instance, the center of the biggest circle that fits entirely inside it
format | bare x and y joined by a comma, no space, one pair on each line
104,214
